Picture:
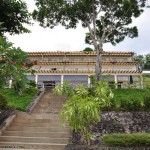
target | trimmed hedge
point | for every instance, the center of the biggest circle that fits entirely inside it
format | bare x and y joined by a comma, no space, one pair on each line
130,100
127,140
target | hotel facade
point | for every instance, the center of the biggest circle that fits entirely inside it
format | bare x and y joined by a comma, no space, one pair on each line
53,68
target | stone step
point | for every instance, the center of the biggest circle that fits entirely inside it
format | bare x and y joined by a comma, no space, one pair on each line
31,146
34,124
39,116
34,139
37,134
39,129
53,99
38,120
54,111
46,105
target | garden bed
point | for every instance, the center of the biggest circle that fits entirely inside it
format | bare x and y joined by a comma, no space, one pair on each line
117,122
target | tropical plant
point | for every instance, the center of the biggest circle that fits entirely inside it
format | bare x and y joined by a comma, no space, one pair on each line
64,88
14,64
82,110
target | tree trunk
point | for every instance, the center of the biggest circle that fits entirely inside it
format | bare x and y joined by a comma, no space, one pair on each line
98,68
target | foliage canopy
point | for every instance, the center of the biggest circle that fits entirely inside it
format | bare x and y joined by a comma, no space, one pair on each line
143,60
13,15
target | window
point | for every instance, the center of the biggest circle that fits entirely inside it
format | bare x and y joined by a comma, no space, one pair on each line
53,68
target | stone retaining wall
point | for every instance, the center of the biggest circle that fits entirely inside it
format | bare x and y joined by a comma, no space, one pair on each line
72,147
6,116
35,100
118,122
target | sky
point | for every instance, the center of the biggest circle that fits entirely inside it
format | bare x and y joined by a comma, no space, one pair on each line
61,39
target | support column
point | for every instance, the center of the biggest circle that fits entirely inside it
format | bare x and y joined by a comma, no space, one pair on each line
141,81
10,83
36,78
89,81
62,79
115,76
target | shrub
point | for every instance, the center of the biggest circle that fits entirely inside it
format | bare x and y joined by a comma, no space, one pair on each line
3,102
82,110
127,140
32,83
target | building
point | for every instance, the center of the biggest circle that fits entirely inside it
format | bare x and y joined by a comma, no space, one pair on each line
55,67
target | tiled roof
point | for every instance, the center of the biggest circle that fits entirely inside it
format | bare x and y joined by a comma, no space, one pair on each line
77,53
90,71
85,63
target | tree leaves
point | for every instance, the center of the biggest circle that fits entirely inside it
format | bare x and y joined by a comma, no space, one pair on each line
14,14
13,65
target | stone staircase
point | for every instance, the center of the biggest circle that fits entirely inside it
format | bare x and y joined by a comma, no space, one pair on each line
42,129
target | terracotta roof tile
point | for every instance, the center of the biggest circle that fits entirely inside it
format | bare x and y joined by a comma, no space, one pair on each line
85,63
91,71
78,53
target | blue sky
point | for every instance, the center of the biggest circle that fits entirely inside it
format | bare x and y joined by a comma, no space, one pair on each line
60,39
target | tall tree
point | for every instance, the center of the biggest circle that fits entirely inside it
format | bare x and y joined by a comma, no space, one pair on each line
106,20
13,16
141,60
147,62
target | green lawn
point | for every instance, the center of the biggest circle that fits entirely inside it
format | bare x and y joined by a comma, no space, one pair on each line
130,100
16,101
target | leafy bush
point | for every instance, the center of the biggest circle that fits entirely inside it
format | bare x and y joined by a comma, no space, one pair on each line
130,100
3,102
65,89
127,140
32,83
82,110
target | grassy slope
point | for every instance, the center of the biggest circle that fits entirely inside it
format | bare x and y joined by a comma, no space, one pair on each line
17,101
132,99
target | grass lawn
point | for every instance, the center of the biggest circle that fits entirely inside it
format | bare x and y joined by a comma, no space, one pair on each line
131,100
16,101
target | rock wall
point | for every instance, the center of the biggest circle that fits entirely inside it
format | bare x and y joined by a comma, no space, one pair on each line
4,114
72,147
118,122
